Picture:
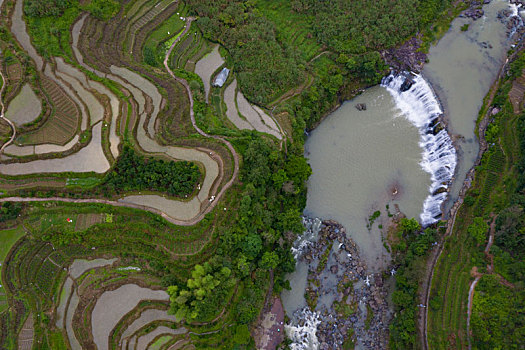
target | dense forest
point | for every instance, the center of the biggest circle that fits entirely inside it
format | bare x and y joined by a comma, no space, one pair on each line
257,240
134,172
410,252
357,31
265,67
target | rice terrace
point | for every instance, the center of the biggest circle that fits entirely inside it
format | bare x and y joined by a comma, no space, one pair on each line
156,191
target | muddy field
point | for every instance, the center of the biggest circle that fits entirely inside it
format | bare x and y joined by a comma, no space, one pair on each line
232,113
78,81
253,117
147,87
25,107
89,158
120,302
206,66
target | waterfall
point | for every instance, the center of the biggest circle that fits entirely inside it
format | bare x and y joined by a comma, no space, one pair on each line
418,103
517,14
312,226
303,335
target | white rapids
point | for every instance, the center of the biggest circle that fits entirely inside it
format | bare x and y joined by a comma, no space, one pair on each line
419,105
517,13
312,228
303,335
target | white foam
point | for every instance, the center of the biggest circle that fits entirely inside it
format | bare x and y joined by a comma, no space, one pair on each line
518,12
312,228
303,335
421,107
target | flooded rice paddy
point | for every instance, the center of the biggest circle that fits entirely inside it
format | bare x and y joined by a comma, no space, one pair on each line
206,66
90,158
113,305
231,109
25,107
16,150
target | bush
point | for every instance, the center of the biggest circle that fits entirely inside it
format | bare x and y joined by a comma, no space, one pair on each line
103,9
10,211
478,230
42,8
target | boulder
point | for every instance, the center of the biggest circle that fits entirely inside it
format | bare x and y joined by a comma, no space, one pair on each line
407,84
359,107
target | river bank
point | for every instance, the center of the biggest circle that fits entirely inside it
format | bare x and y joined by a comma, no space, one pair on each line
485,40
347,303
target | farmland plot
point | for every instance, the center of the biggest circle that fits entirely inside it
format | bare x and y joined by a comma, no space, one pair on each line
232,113
120,302
206,66
89,159
25,107
61,126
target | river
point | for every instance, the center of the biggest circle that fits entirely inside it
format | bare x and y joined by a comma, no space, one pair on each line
391,154
462,67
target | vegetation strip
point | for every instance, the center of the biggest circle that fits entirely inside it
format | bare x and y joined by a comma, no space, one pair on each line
2,115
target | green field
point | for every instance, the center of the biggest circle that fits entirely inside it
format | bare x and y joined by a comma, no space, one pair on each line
161,38
293,28
491,194
8,238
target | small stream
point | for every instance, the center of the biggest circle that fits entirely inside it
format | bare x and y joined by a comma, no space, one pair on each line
396,153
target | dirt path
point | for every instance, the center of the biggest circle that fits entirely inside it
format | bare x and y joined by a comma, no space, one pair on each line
469,310
490,257
426,286
2,116
192,116
107,202
208,207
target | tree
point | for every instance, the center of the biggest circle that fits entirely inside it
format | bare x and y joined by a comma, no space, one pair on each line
251,246
188,302
149,56
269,260
10,211
478,230
409,226
291,221
279,178
242,334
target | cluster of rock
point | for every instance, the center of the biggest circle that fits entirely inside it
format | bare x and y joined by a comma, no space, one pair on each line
350,302
473,12
407,56
513,21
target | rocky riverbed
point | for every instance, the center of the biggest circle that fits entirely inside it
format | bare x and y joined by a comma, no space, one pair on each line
346,304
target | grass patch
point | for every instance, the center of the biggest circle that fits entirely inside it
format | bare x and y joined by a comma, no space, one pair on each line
323,260
369,317
87,182
491,191
8,238
161,38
